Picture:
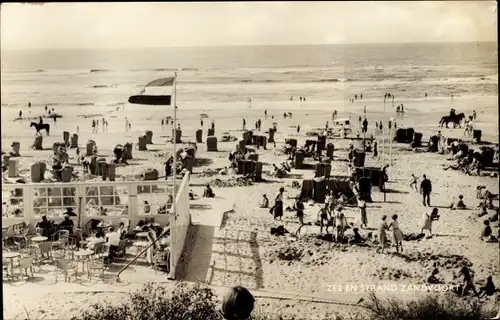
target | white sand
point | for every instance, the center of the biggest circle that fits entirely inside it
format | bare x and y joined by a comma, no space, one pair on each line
236,249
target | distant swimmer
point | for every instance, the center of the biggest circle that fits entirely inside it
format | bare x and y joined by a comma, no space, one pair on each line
300,98
361,96
291,98
452,97
304,98
425,95
355,97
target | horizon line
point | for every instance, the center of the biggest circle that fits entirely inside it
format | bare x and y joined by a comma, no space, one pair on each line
245,45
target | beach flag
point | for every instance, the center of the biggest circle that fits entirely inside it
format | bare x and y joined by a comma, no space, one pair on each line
154,93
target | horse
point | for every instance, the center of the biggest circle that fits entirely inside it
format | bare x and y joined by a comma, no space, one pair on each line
39,127
454,119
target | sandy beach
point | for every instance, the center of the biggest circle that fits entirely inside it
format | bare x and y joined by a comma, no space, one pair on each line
322,268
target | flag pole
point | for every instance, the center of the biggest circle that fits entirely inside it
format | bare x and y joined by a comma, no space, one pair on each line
174,134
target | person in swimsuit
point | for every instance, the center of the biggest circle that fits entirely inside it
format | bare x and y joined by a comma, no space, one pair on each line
398,235
324,218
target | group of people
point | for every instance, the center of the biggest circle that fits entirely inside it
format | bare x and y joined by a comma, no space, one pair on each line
95,125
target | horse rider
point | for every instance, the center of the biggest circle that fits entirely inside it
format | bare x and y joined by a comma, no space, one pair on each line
40,122
452,113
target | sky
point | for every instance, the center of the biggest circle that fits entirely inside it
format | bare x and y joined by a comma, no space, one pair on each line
118,25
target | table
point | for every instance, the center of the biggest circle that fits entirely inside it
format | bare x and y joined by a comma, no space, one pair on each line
82,256
39,239
11,256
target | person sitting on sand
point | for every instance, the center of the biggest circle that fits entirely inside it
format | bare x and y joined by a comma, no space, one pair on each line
467,281
433,278
398,235
486,233
357,238
323,218
265,202
460,204
208,193
223,172
488,290
484,212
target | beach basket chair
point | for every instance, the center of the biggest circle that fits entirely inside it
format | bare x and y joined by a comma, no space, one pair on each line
64,267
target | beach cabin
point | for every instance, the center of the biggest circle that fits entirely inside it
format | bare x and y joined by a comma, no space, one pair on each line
342,122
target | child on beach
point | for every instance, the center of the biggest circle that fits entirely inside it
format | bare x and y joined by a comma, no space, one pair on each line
414,182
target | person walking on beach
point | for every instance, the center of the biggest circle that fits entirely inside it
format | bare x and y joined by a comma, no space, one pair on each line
77,129
474,115
365,125
398,235
162,122
244,124
126,124
300,98
361,96
340,224
425,190
46,108
20,114
355,97
277,209
414,181
265,114
362,211
298,206
298,128
427,220
93,125
382,235
323,218
29,104
425,95
375,149
213,125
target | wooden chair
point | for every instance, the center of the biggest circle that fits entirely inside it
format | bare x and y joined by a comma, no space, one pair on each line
25,264
64,267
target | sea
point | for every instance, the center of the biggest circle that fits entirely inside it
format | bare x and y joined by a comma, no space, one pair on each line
107,77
